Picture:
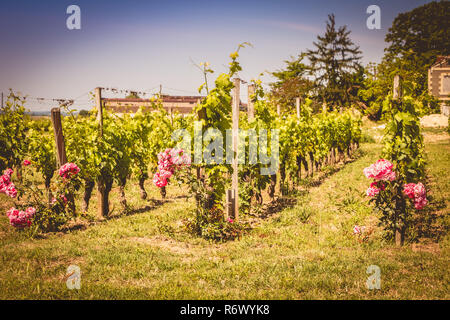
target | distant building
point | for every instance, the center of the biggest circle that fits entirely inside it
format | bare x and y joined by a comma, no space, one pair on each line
181,104
172,104
439,82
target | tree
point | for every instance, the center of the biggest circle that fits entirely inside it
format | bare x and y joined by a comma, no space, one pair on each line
292,82
83,113
333,62
416,38
132,95
424,31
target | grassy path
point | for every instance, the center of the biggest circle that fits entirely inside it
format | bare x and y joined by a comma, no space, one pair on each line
304,252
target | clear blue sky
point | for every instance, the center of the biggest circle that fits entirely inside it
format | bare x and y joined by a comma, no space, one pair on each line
141,44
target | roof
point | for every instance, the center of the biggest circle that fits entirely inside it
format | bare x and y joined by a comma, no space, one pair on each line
441,61
164,98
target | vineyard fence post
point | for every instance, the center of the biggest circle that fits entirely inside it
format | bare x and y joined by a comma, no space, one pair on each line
61,157
98,103
233,196
398,88
59,137
250,102
397,95
102,198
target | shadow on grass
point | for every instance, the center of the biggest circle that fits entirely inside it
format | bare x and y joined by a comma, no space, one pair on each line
155,204
84,224
429,223
277,205
292,197
327,171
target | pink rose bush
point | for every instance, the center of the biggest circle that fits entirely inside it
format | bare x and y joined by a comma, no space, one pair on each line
393,197
19,218
46,216
68,170
381,171
169,162
6,185
417,193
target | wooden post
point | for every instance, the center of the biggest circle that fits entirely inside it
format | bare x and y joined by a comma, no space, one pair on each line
171,115
234,193
278,109
398,89
229,206
59,137
98,103
397,95
297,104
102,196
250,102
61,157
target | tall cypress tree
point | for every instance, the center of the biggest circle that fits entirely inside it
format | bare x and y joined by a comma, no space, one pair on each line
333,62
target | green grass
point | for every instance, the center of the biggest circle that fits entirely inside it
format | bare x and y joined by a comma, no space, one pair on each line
304,252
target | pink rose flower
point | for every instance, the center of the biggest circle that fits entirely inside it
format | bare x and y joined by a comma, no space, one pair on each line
380,171
11,191
159,181
372,190
420,203
26,162
418,193
357,230
408,189
165,174
169,161
20,219
68,170
6,185
31,211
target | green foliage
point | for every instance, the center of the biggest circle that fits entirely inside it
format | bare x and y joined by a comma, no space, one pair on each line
215,112
292,82
81,141
415,39
403,146
83,113
314,137
334,61
129,145
54,209
41,149
403,141
212,225
378,84
13,132
423,30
